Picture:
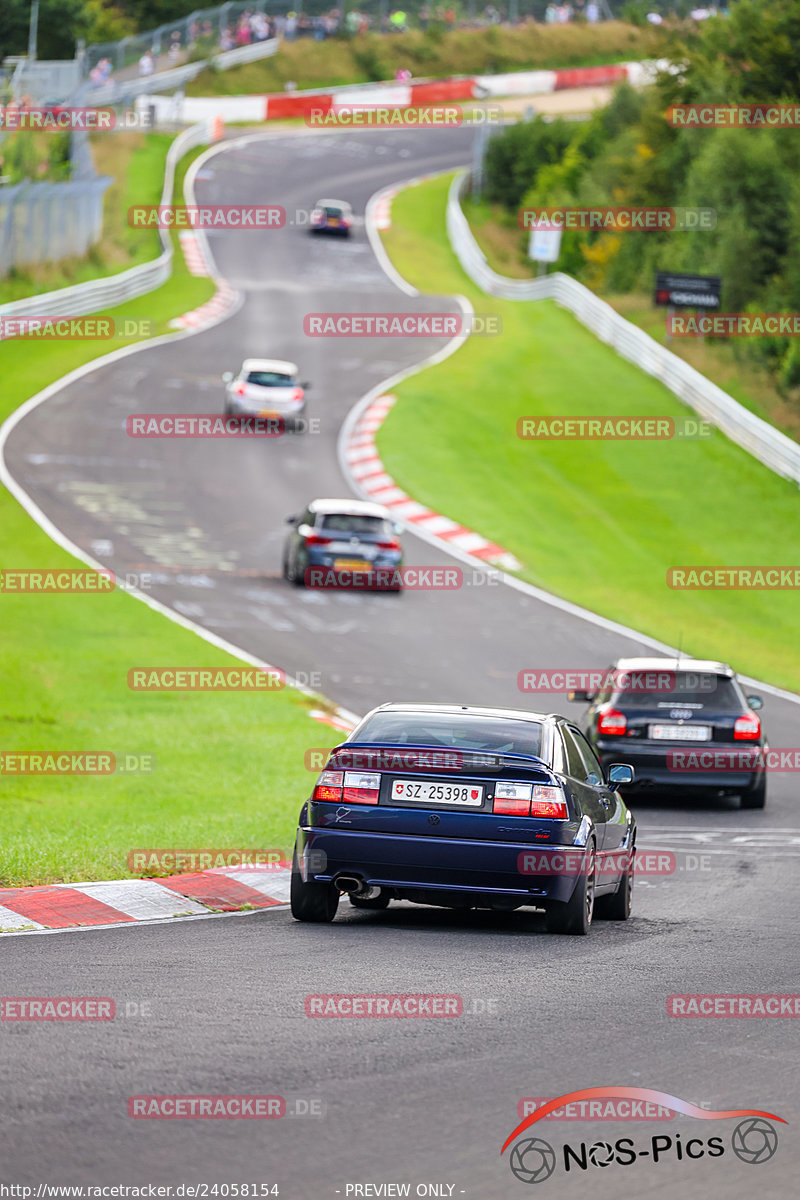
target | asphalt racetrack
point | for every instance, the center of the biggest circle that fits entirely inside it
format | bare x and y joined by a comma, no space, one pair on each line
423,1102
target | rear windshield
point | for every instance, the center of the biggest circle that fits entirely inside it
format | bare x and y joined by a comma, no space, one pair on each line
492,734
688,688
270,379
354,523
332,212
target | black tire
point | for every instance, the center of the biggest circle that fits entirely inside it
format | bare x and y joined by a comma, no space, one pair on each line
377,902
312,901
617,906
290,572
756,795
575,916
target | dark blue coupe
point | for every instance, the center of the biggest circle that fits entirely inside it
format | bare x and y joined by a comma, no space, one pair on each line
467,807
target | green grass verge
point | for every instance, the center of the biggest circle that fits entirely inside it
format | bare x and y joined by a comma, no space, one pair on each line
135,162
228,768
596,522
339,61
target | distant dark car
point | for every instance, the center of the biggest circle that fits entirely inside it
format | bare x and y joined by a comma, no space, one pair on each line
332,216
684,724
354,542
466,808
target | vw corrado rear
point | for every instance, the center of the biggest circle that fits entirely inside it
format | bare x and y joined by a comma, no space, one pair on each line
466,808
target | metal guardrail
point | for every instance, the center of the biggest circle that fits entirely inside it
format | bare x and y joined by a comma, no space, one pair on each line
766,443
97,294
121,90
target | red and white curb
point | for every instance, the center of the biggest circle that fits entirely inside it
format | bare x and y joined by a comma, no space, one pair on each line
382,215
370,475
222,302
193,253
126,901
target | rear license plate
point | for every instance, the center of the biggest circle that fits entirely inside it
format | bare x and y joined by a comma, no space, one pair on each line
270,415
437,793
351,564
680,733
333,220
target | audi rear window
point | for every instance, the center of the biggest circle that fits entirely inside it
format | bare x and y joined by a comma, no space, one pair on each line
494,735
354,523
270,379
675,688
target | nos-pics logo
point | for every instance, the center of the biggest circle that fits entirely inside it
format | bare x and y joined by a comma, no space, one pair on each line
754,1139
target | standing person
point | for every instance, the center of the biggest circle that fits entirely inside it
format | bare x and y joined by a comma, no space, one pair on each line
592,12
147,64
424,17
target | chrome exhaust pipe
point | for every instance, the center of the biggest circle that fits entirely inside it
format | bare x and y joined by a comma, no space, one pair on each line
350,884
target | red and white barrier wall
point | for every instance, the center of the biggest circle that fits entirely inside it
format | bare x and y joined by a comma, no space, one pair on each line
281,105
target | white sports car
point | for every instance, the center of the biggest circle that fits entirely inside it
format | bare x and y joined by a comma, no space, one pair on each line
266,387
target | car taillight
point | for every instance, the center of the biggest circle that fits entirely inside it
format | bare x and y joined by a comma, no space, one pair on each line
240,389
297,393
611,722
747,728
345,223
549,802
313,540
394,545
316,217
530,800
361,788
513,799
329,786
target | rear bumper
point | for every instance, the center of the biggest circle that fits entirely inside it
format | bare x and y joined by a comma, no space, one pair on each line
699,767
519,871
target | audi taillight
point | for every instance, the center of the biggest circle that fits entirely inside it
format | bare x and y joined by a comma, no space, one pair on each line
549,802
611,722
393,545
329,787
361,787
314,540
513,799
747,728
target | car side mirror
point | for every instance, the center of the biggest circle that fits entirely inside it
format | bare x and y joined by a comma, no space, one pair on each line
227,377
581,696
292,520
305,385
755,702
620,773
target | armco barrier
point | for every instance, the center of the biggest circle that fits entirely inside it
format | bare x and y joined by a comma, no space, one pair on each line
762,440
97,294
